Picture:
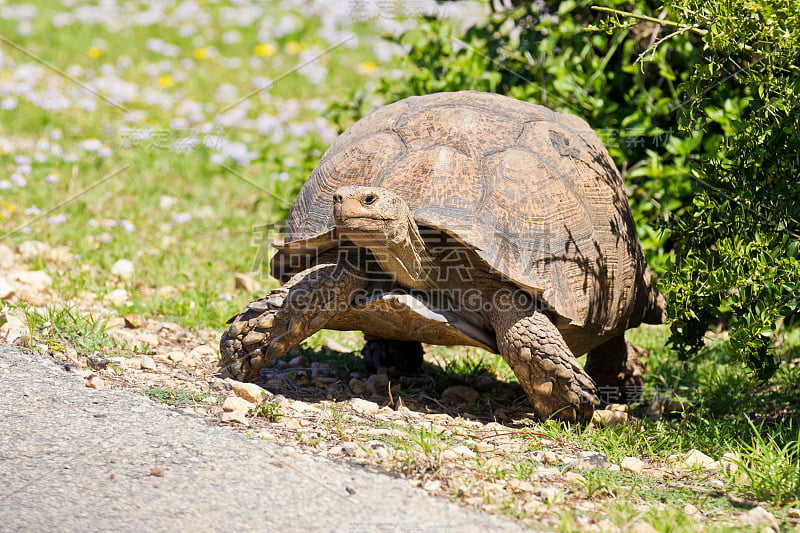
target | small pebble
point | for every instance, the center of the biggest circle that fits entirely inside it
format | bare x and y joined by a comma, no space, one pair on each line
632,464
248,391
234,403
95,382
298,362
357,386
240,417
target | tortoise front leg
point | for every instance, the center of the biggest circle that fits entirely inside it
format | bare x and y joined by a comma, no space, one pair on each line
555,383
272,325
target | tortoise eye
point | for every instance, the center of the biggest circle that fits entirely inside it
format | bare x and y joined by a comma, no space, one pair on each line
369,199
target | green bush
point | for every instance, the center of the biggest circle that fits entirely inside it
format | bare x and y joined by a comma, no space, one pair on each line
695,105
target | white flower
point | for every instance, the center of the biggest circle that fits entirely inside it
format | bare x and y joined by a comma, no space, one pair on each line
182,217
8,103
104,237
123,268
51,178
33,210
231,37
127,225
5,184
165,202
18,180
91,145
57,219
227,296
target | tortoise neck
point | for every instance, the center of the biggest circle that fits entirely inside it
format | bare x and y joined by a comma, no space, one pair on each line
407,258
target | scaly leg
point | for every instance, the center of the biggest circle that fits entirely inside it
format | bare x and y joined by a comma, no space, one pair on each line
615,367
272,325
555,383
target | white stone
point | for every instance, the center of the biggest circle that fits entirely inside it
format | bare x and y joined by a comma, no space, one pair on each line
432,485
132,364
574,477
549,458
240,417
6,290
203,351
696,459
11,327
176,357
32,249
248,391
608,418
642,527
458,452
118,297
758,516
123,269
244,282
95,382
33,279
551,494
483,446
234,403
587,460
379,450
147,362
6,256
363,406
729,462
632,464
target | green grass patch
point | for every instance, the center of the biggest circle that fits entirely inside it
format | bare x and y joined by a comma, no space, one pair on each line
175,397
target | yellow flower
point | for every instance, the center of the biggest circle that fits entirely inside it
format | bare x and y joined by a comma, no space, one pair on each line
94,52
294,48
265,50
11,208
366,68
200,53
166,81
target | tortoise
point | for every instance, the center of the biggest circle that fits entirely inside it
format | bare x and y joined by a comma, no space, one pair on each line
463,218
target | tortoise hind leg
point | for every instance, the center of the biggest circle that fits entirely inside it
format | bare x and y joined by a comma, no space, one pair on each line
555,383
272,325
615,367
404,356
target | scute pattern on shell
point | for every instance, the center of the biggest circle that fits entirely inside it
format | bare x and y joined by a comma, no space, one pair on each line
534,192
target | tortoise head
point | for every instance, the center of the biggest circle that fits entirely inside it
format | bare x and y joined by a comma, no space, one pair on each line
371,216
380,220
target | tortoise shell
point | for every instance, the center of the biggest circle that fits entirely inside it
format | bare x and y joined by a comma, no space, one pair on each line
534,192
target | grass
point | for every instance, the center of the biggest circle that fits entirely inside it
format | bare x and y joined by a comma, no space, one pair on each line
59,327
226,201
269,410
174,397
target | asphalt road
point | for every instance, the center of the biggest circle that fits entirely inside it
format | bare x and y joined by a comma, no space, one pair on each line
77,459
